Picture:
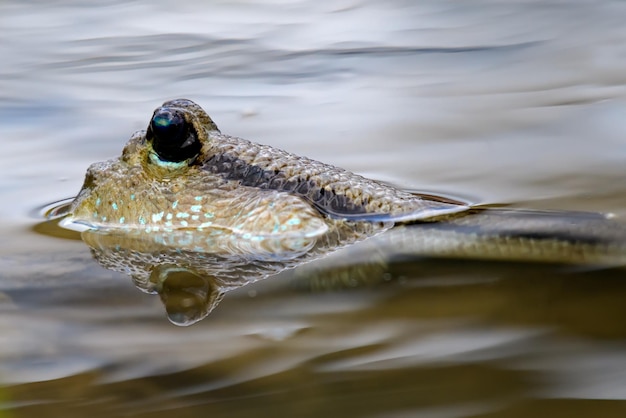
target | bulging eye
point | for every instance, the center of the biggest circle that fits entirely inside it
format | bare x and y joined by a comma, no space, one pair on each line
173,138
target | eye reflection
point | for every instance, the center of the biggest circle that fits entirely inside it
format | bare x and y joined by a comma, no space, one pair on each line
187,297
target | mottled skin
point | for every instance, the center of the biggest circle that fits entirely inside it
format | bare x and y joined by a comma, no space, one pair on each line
223,190
235,187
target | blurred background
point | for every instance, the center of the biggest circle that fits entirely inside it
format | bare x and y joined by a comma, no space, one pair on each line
517,102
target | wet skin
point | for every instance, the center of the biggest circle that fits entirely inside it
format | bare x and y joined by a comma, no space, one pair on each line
194,188
183,174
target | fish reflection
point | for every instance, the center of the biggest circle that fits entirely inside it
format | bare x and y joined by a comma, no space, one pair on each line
191,279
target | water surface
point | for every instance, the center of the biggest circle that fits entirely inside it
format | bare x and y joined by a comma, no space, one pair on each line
516,103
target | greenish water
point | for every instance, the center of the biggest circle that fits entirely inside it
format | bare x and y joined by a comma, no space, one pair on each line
514,103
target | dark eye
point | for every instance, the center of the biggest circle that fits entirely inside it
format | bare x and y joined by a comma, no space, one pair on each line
173,138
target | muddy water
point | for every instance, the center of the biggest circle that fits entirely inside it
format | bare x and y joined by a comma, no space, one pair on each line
515,103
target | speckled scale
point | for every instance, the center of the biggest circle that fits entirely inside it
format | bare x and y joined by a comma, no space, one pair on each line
334,191
122,194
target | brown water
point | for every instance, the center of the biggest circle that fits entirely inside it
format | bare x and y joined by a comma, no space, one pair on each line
516,103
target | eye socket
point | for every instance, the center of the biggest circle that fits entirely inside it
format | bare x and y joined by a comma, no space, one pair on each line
173,138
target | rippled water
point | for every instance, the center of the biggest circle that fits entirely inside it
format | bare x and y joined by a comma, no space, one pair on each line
495,102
